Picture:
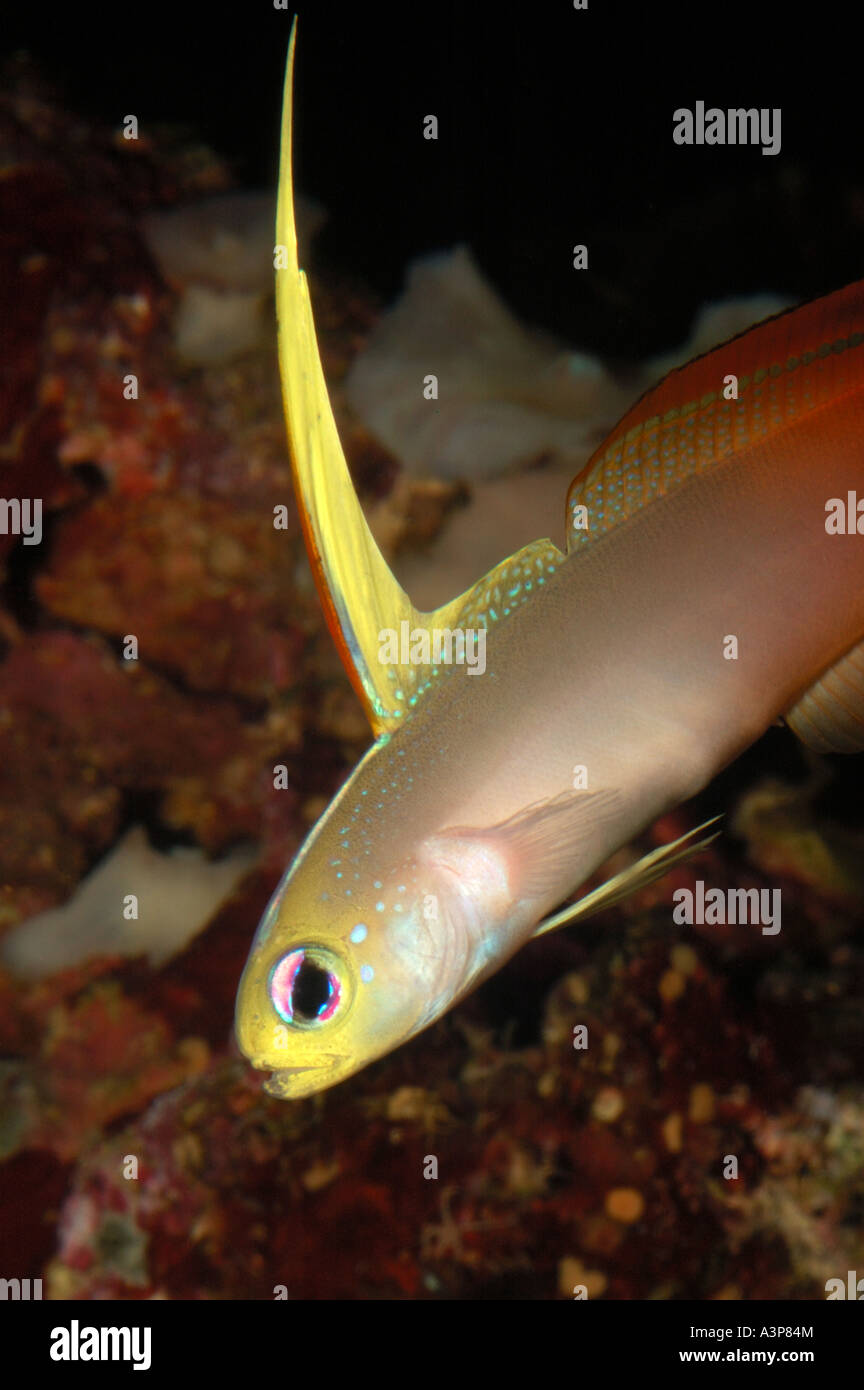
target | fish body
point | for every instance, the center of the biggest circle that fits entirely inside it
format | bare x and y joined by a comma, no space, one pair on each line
701,595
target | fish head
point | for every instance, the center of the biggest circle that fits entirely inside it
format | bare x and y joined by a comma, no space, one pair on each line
335,981
349,963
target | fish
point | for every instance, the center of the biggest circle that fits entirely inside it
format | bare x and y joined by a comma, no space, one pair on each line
710,584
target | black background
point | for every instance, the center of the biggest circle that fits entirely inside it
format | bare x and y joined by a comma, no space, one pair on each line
555,128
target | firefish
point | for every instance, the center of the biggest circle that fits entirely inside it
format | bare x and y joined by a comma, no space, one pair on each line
705,590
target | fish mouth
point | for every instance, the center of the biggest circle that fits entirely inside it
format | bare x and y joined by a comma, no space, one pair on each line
289,1083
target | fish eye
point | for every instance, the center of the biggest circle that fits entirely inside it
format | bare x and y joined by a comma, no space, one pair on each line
306,986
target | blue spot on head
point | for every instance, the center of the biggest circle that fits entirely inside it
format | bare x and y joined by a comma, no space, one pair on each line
359,933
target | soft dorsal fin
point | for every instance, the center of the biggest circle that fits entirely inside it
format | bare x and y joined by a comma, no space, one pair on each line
829,717
781,369
359,593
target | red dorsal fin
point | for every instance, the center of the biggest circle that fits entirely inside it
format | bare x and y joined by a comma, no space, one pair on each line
783,369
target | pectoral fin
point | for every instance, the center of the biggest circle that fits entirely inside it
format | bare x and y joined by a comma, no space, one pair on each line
652,866
359,594
522,857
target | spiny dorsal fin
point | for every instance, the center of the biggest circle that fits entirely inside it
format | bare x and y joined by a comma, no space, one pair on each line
652,866
359,594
